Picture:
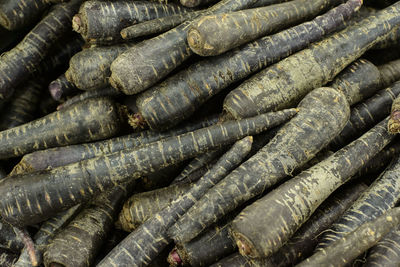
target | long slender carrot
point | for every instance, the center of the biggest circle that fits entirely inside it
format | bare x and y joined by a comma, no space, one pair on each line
151,60
392,40
96,119
390,72
349,247
141,207
15,14
179,96
79,242
26,56
142,245
317,122
60,156
205,34
292,203
79,181
286,82
101,21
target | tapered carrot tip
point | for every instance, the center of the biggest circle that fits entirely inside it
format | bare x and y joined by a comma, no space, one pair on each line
394,122
137,121
55,90
174,259
77,23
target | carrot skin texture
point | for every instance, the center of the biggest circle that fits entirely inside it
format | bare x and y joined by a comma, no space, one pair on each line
93,120
180,95
141,207
16,14
143,245
101,21
392,40
366,114
394,121
390,72
79,242
60,156
17,63
286,82
349,247
302,244
90,68
61,87
319,119
195,3
151,60
47,231
234,260
386,252
292,203
87,178
204,36
357,81
101,92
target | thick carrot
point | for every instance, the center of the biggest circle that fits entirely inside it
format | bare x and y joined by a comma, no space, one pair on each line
151,60
141,207
349,247
357,81
292,203
392,40
61,87
101,21
366,114
209,247
45,233
286,82
79,181
79,242
303,242
23,105
95,119
16,14
179,96
143,245
60,156
102,92
205,34
390,72
90,68
317,122
386,252
16,64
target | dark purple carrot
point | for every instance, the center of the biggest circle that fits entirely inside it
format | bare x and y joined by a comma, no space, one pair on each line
90,68
286,82
101,92
349,247
60,156
209,247
23,106
234,260
366,114
303,242
390,72
394,121
215,34
292,203
141,207
318,121
16,64
78,244
45,233
16,14
61,87
392,40
157,25
142,246
95,119
179,96
148,62
102,21
386,252
49,192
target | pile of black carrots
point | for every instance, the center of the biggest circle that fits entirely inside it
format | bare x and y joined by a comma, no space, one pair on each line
209,133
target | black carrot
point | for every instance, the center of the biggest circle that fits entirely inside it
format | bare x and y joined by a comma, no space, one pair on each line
101,92
16,14
61,88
